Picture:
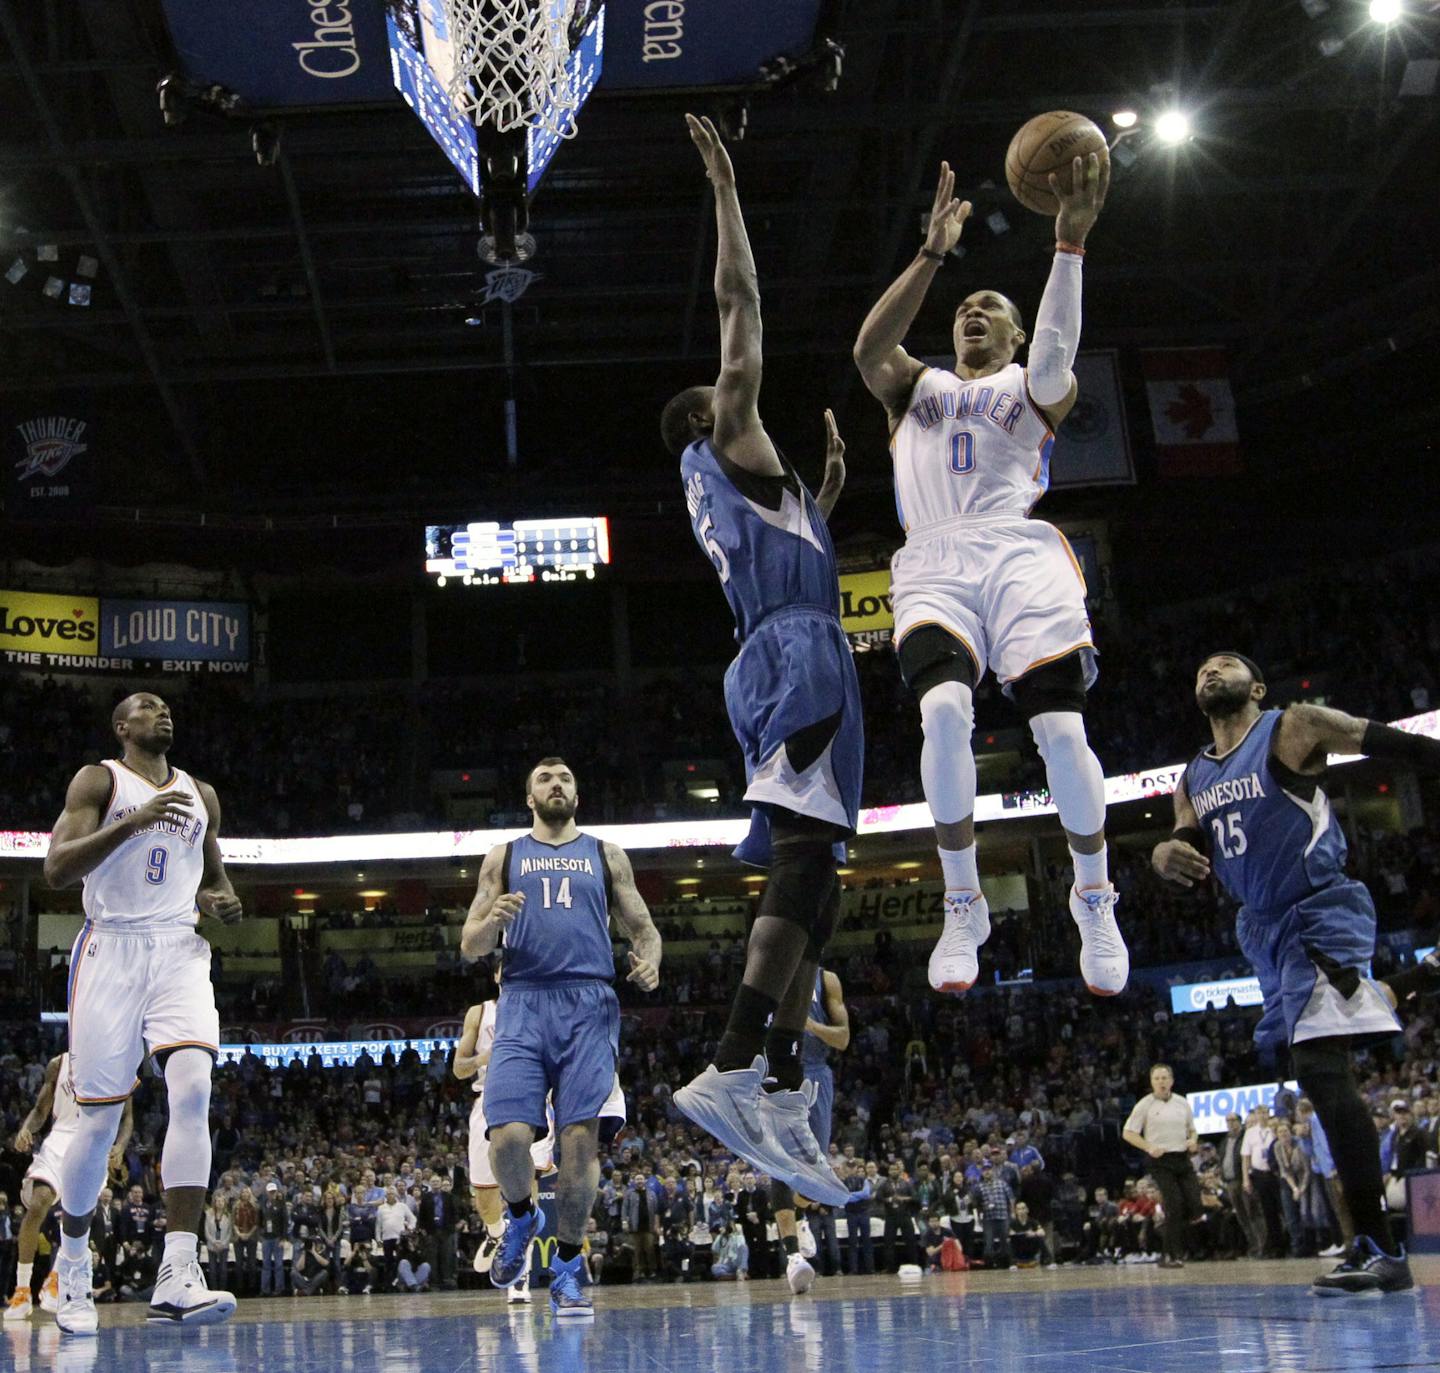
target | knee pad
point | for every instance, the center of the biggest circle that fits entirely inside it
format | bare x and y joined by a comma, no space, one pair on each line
1057,686
930,655
825,925
802,871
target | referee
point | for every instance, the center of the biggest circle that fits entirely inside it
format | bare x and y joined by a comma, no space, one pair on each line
1162,1126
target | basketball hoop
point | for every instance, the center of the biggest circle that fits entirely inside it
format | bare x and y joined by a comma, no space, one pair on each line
512,62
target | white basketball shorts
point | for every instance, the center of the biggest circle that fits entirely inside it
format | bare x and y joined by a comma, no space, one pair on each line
133,993
44,1166
1009,588
612,1121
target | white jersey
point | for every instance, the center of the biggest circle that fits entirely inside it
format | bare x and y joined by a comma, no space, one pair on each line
969,448
484,1042
150,881
64,1112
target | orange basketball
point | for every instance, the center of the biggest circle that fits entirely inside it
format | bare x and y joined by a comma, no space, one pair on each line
1050,143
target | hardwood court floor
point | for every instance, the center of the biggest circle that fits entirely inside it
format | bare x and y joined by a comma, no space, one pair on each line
1208,1318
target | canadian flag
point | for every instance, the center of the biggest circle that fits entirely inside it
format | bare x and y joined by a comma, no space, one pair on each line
1193,411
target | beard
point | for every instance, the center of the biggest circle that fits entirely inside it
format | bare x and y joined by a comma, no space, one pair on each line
1224,700
554,808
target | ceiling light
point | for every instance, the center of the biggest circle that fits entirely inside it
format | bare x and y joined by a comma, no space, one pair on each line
1124,119
996,222
373,893
1330,44
1386,11
907,864
687,881
1173,127
1315,8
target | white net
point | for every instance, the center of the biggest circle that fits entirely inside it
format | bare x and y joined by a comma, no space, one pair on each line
512,63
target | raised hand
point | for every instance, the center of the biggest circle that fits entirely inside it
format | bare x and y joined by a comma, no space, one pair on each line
834,451
1080,206
706,137
947,215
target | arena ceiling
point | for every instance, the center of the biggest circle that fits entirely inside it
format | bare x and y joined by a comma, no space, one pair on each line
298,331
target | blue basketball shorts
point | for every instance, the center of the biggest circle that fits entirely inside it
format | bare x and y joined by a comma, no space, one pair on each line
794,703
552,1039
1299,954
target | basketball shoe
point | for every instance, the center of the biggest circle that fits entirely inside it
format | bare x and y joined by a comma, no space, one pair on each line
181,1296
804,1168
511,1261
1366,1268
1104,959
19,1307
955,959
799,1274
568,1298
50,1291
728,1106
485,1252
520,1290
76,1313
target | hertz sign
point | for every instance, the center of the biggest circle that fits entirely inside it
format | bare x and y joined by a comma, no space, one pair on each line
865,608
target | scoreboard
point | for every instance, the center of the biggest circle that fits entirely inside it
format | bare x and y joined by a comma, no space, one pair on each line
505,552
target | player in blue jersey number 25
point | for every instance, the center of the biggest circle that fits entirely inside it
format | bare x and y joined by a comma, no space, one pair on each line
1255,801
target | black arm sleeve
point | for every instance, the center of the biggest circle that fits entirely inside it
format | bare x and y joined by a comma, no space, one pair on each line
1381,741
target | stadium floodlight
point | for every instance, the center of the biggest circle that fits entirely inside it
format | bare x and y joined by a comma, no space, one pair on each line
1173,127
1386,11
1124,119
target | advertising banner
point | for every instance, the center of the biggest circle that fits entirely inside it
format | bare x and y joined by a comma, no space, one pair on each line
653,44
865,607
276,55
37,628
1201,996
1211,1108
193,631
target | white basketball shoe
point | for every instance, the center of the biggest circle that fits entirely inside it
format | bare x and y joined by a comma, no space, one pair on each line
955,959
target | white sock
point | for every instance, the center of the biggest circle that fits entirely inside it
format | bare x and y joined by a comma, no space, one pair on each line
181,1246
74,1248
962,873
1091,869
23,1272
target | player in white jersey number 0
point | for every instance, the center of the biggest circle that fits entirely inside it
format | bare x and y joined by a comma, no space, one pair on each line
144,837
978,584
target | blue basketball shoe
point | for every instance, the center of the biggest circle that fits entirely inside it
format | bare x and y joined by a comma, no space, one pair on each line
508,1266
567,1297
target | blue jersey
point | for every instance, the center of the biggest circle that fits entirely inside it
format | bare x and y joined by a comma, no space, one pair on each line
765,536
813,1051
563,930
1274,839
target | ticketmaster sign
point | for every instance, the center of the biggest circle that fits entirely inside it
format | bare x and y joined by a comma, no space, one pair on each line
1211,1108
1200,996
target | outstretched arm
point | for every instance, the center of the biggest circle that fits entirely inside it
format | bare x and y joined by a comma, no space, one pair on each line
834,482
738,431
888,370
1308,734
1049,373
632,915
1180,858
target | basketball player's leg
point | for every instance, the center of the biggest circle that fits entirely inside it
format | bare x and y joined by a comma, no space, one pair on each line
39,1199
941,668
799,1272
182,1035
787,1030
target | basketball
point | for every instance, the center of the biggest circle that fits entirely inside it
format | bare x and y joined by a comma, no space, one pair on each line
1050,143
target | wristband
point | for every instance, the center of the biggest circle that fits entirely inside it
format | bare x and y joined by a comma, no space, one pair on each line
932,256
1383,741
1061,246
1192,835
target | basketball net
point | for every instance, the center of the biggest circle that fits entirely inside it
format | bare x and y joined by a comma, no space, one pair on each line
512,63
